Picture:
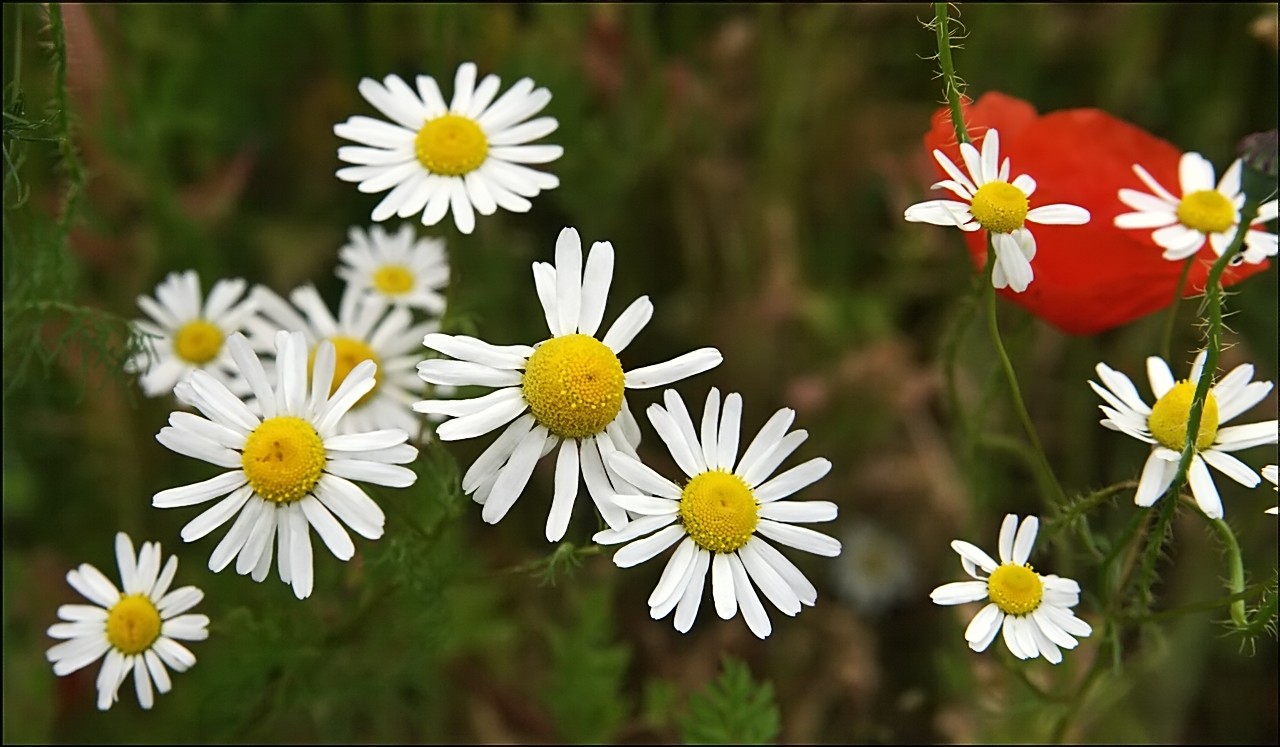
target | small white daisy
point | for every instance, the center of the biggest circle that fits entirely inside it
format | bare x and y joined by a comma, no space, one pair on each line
722,515
1269,472
290,469
1183,223
992,202
189,332
138,629
365,329
875,570
1034,611
1164,426
567,390
403,269
466,156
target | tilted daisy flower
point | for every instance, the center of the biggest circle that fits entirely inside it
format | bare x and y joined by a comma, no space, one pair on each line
722,515
1002,207
1269,472
365,330
190,332
1202,212
466,157
401,268
137,629
1034,611
1164,426
290,468
568,390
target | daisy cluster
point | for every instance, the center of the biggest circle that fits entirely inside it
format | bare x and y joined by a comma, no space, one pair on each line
1033,611
296,404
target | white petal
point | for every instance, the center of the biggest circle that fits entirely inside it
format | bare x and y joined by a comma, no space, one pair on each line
793,480
801,538
641,550
722,586
625,328
515,475
566,489
1203,489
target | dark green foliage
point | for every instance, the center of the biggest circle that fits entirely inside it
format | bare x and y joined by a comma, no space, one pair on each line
732,709
584,691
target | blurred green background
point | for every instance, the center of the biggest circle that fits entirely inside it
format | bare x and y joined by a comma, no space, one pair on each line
750,165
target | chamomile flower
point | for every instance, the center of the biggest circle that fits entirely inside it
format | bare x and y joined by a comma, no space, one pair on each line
401,268
290,468
190,332
875,570
1164,426
137,630
1034,611
1202,212
992,202
1269,472
466,157
567,391
722,515
365,330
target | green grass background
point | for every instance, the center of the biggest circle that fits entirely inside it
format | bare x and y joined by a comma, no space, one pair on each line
750,164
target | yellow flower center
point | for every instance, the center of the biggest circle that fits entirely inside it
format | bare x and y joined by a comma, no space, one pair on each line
133,624
349,353
1169,416
393,279
1016,589
719,511
283,459
1207,211
197,341
999,207
452,145
574,385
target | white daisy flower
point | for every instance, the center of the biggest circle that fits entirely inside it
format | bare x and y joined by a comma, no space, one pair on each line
1034,611
189,332
366,329
1183,223
1269,472
568,390
992,202
722,515
290,469
876,568
403,269
137,629
1164,426
466,156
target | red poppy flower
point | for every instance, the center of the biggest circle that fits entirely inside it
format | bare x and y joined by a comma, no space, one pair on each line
1093,277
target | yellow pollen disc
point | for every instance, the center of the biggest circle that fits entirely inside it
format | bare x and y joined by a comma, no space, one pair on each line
574,385
283,459
133,624
719,511
1016,589
999,207
393,279
197,341
1169,416
1207,211
349,353
452,145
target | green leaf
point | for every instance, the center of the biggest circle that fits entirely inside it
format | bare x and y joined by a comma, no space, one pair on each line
734,709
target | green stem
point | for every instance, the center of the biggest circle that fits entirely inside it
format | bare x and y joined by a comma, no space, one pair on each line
1045,471
950,84
1235,569
1170,321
